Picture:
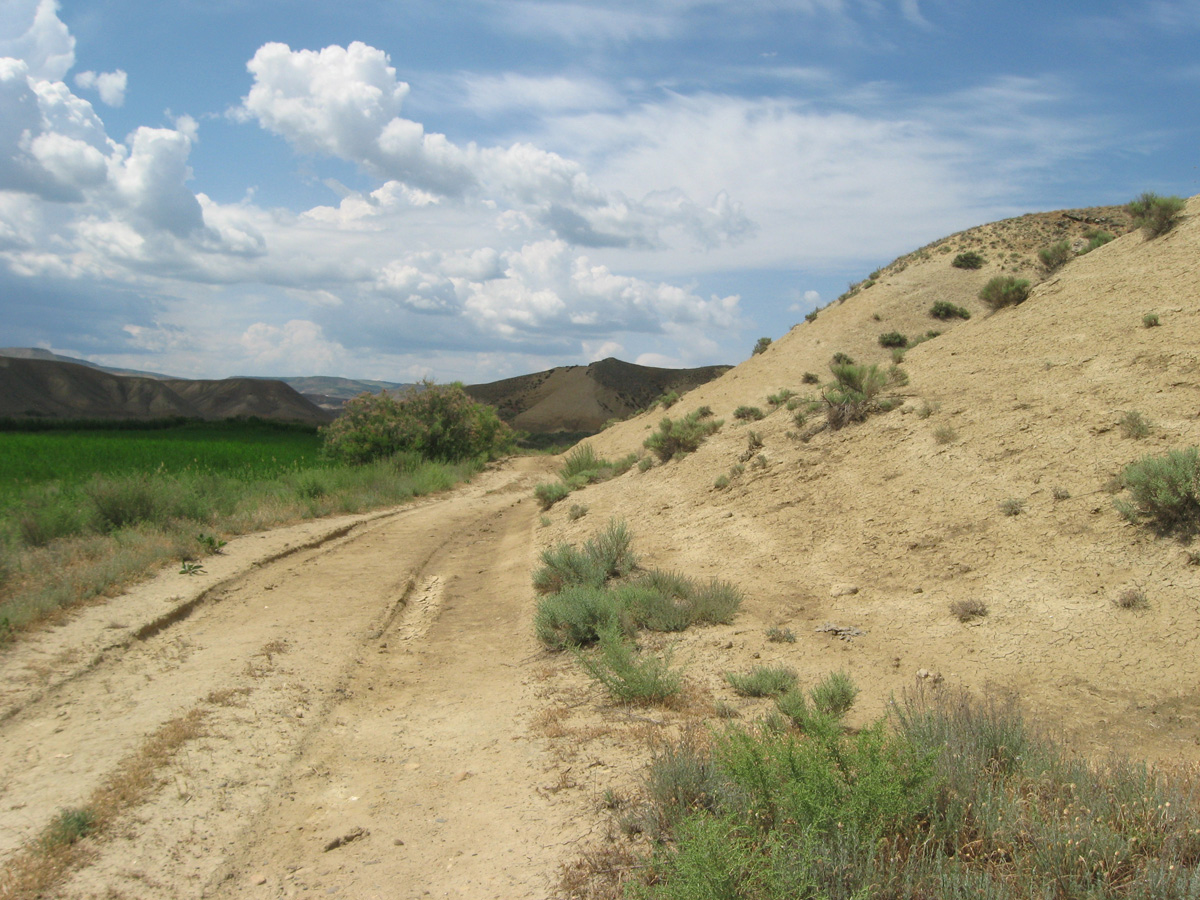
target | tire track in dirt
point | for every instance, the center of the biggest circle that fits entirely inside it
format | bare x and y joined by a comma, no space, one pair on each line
414,624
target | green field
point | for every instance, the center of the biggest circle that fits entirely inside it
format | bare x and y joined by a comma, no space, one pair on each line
246,450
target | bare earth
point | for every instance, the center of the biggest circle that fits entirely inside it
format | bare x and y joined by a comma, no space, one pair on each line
373,684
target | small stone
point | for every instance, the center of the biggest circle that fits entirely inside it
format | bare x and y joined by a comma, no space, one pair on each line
259,879
843,590
923,673
398,843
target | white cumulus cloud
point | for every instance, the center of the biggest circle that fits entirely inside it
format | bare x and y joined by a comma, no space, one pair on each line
31,30
110,85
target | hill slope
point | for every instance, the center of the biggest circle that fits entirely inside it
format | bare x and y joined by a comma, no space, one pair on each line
37,388
584,398
883,525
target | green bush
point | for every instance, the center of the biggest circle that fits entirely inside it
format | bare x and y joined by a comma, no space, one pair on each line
667,400
1150,320
610,550
576,615
854,394
1096,238
748,413
1055,256
763,681
550,492
676,437
842,359
780,397
761,345
968,260
1004,290
626,674
1134,425
1166,490
893,339
943,309
1154,214
440,422
810,378
563,567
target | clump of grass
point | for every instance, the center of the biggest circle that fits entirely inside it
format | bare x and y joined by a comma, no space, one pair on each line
1165,491
577,511
550,492
841,359
1096,237
943,309
627,675
897,377
1012,506
721,482
1004,290
763,681
1055,256
780,397
676,437
748,413
1150,320
645,464
927,409
968,610
1154,214
967,260
668,399
576,615
945,434
893,339
1134,425
68,826
777,635
810,378
1061,493
1131,598
854,394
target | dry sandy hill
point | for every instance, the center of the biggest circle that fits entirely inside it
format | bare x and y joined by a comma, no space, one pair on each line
36,388
881,526
584,398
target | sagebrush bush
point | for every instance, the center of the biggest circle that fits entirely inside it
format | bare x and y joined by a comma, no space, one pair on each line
748,413
1150,320
1096,237
1004,290
1134,425
627,675
763,681
1055,256
968,260
550,492
943,309
676,437
576,615
761,345
893,339
1154,214
810,378
1166,490
440,422
854,394
966,610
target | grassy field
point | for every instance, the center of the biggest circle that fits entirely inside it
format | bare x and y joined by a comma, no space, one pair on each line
86,510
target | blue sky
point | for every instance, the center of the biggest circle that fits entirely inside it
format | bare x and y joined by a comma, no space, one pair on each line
474,189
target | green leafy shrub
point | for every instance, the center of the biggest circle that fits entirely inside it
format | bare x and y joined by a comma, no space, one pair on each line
1166,490
550,492
576,512
1150,320
780,397
1154,214
576,615
565,566
440,422
1096,237
1055,256
943,309
810,378
893,339
676,437
627,675
722,482
1004,290
842,359
854,394
748,413
763,681
761,345
968,260
667,400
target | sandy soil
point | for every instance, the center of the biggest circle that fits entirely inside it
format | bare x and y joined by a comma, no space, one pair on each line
369,686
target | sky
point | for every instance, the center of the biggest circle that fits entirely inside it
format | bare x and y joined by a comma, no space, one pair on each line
475,189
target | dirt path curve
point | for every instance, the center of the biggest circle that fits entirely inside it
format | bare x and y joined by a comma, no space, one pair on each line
366,709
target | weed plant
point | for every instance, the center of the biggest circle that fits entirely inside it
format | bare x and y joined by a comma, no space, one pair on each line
1165,491
1150,320
777,635
1096,237
676,437
943,309
762,681
1004,290
761,345
1055,256
968,260
968,610
893,339
1154,214
854,394
748,413
1134,425
628,675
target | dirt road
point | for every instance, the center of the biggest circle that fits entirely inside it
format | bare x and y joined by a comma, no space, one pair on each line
363,694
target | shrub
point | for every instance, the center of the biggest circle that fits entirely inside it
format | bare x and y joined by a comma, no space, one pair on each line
842,359
1166,490
761,345
1013,506
853,396
67,827
763,681
966,610
748,413
1134,425
944,434
577,511
667,400
780,397
968,260
610,550
645,464
893,339
439,422
627,675
943,309
1150,320
834,695
721,483
550,492
1004,290
676,437
563,567
576,615
810,378
1096,238
1055,256
1131,598
582,460
1154,214
777,635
